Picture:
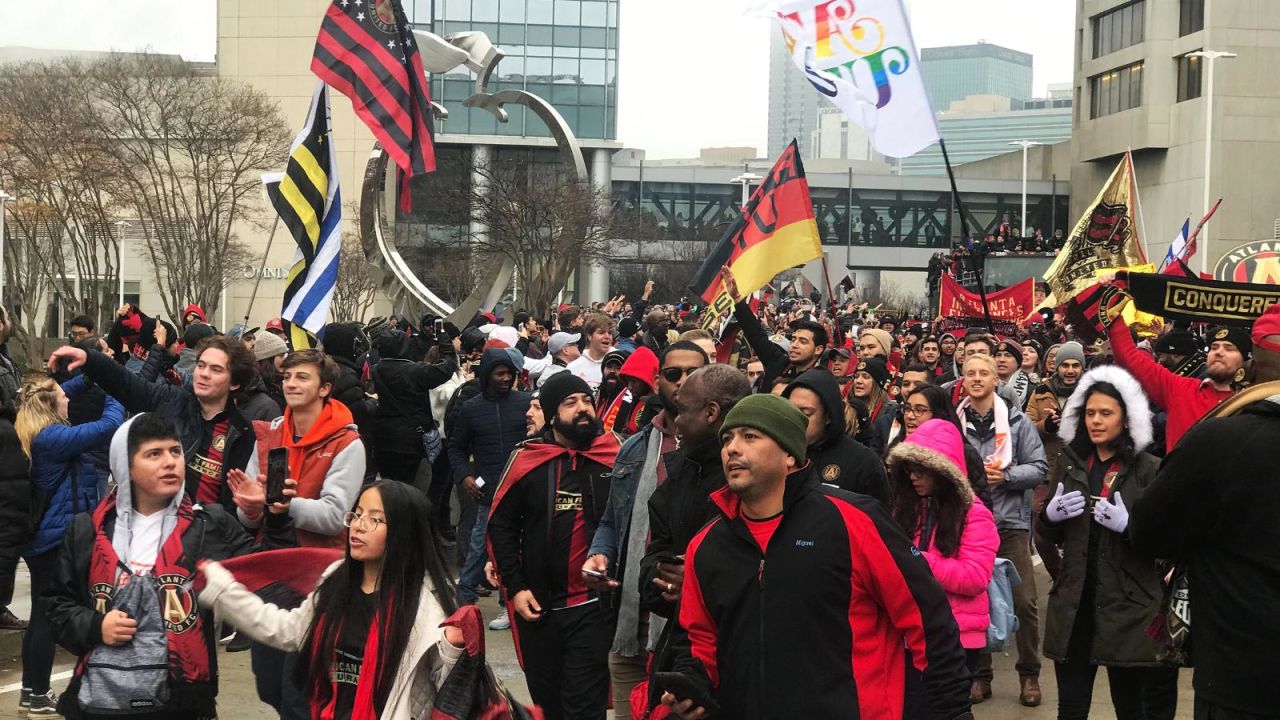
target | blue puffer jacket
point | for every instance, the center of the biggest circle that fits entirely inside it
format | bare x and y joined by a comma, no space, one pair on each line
59,447
488,426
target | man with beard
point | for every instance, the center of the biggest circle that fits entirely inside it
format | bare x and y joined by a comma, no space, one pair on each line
947,346
1178,350
611,385
1184,399
809,340
549,503
838,459
679,507
638,375
484,433
619,541
1045,410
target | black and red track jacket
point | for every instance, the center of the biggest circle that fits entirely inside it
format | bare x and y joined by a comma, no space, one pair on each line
817,626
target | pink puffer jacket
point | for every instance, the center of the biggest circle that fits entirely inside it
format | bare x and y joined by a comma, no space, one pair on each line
937,446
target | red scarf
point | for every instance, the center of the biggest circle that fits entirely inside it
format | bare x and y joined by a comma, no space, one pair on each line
363,707
184,632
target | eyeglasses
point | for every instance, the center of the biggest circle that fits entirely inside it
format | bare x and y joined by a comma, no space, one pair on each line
916,410
77,335
673,374
363,523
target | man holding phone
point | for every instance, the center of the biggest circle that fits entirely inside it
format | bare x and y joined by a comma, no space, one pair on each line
800,599
315,443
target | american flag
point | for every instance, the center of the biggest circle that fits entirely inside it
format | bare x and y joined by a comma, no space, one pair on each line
365,50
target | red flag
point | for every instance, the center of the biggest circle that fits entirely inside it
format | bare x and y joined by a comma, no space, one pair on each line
366,51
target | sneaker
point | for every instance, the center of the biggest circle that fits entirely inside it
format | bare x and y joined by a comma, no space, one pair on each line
502,622
9,621
45,705
24,699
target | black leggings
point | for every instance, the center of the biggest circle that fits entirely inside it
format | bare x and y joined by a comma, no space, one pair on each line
1130,686
37,641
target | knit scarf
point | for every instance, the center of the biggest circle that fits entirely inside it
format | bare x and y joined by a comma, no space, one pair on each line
1002,454
184,632
363,707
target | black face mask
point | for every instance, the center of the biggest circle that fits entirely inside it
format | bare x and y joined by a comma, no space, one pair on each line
580,436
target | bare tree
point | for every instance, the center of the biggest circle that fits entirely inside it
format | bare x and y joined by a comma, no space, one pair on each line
25,284
189,150
540,218
355,290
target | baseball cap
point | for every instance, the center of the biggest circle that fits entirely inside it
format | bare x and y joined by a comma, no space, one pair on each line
560,339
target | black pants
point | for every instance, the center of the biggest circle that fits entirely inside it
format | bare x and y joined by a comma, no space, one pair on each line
10,552
566,661
1206,710
1128,684
466,520
37,641
274,675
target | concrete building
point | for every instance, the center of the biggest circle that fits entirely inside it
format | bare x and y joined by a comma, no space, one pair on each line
1136,89
727,154
837,138
956,72
974,136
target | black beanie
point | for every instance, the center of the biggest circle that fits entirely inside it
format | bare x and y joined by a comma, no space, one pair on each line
557,389
339,340
1237,336
876,368
1177,342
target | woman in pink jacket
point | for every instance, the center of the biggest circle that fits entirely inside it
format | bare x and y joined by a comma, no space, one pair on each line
933,502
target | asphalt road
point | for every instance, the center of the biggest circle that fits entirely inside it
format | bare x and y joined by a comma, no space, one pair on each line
238,699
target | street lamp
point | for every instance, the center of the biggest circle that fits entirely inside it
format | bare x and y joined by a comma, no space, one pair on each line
120,226
1209,56
745,180
4,198
1025,145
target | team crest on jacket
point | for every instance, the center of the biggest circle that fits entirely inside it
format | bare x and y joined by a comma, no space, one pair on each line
219,443
101,594
831,473
178,607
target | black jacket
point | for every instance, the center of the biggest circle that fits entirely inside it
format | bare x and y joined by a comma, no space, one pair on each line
777,365
487,428
404,407
179,404
839,459
349,391
77,625
1214,505
16,520
678,509
255,403
816,626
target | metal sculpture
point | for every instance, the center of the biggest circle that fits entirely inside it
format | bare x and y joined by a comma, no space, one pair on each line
440,55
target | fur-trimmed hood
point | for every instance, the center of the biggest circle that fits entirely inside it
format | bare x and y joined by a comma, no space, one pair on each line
935,445
1137,408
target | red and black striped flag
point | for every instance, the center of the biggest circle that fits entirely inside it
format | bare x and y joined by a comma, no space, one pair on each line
365,50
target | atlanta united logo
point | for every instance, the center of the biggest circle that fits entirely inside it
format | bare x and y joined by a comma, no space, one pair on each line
177,606
831,473
1256,262
384,16
101,594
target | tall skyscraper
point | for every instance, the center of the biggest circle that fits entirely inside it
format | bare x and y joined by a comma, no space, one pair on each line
956,72
793,103
565,51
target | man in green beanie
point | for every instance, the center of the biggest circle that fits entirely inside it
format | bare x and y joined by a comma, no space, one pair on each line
813,590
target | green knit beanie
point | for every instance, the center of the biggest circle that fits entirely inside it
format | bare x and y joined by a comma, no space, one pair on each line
775,417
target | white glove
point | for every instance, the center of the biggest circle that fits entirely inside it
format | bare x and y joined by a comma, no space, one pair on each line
1064,507
1114,517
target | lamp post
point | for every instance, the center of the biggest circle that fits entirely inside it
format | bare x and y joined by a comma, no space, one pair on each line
1208,56
745,180
120,226
4,198
1025,145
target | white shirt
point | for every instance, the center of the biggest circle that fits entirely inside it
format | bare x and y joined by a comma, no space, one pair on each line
588,369
144,544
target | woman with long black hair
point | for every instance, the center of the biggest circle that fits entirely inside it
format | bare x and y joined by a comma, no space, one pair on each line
1106,592
368,639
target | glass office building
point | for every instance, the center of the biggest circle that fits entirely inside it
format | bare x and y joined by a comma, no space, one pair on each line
565,51
954,73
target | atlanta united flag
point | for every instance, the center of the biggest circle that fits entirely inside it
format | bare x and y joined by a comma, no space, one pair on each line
864,61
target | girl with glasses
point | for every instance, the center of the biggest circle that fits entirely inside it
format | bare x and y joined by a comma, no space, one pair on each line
368,638
929,402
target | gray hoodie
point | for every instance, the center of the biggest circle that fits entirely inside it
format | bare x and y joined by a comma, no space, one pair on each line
119,460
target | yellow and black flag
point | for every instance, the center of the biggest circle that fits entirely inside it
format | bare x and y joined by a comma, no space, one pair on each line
307,198
776,231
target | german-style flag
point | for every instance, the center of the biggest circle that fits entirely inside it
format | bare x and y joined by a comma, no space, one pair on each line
776,231
365,50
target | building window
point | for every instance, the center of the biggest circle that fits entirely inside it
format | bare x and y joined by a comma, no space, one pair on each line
1189,77
1119,28
1116,90
1190,16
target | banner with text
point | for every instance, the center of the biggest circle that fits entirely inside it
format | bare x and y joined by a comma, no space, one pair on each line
1013,303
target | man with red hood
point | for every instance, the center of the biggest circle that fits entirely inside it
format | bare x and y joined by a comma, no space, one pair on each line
545,511
327,460
639,373
192,314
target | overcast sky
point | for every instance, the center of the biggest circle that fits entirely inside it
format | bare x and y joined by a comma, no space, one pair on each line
692,73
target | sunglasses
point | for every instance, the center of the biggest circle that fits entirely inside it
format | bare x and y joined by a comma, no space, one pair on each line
673,374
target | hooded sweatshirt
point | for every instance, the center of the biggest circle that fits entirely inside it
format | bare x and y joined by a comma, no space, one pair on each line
964,574
623,415
837,458
488,426
328,463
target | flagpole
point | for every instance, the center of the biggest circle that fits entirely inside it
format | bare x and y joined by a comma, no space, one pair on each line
261,269
964,228
1137,196
831,298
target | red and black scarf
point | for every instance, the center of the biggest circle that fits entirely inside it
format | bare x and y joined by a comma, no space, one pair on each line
363,708
188,654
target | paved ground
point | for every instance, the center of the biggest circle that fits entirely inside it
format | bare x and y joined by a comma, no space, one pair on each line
238,699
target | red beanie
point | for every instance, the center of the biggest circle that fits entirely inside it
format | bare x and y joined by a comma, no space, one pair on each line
1268,323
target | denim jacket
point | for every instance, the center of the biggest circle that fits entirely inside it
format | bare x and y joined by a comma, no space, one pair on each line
611,535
